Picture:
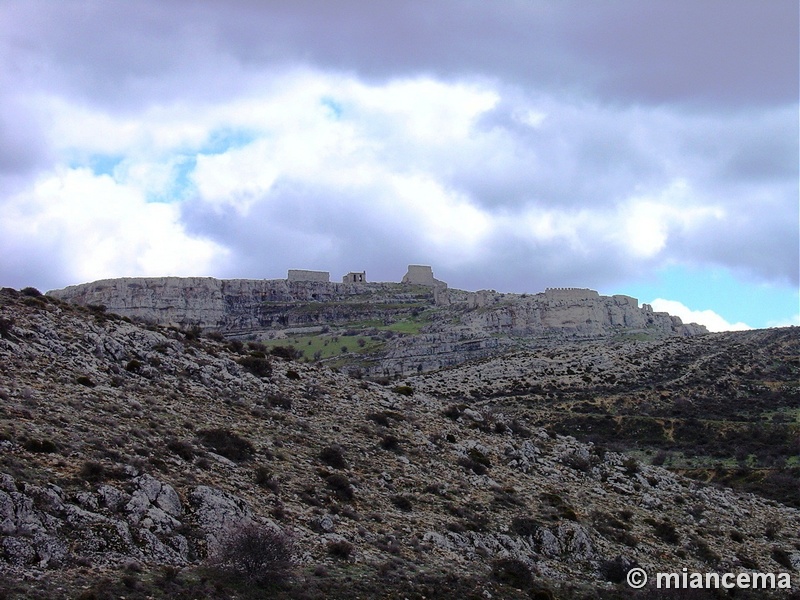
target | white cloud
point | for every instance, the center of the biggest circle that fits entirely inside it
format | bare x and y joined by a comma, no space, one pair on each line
446,221
100,228
709,318
649,221
530,117
792,321
237,177
343,135
432,112
333,132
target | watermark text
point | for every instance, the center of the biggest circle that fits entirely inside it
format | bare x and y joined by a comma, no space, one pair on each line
684,579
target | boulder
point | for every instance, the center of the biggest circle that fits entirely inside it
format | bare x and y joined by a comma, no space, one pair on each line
217,512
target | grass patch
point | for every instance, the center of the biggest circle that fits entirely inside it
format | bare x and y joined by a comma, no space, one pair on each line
327,345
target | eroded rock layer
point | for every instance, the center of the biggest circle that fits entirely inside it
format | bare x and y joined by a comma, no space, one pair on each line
457,325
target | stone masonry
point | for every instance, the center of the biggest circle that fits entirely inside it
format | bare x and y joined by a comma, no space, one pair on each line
303,275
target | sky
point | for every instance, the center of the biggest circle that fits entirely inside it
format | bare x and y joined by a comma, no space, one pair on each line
640,148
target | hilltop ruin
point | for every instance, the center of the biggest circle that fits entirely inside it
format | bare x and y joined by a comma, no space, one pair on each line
435,325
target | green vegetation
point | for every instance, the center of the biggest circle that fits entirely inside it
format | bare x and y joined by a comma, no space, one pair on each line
360,337
338,332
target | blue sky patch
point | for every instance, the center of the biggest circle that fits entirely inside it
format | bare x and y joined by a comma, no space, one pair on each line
222,140
100,164
335,108
734,299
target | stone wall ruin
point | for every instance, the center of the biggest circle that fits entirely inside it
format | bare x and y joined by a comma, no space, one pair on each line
355,277
303,275
421,275
569,293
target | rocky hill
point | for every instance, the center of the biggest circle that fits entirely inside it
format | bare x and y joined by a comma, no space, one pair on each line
406,327
153,462
722,407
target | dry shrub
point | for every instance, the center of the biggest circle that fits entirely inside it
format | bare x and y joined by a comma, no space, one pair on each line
258,552
227,443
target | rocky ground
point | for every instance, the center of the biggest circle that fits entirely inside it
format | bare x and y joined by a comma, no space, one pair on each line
136,461
721,407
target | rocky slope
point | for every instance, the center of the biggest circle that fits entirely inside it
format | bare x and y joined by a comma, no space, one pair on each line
722,407
451,326
130,454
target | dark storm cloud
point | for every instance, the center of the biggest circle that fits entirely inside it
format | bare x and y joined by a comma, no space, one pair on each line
538,265
721,52
752,147
712,52
578,155
715,52
23,146
759,235
292,229
116,55
42,266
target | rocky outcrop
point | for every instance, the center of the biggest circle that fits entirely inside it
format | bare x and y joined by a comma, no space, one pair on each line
460,325
239,305
569,313
235,306
218,512
226,305
432,351
46,527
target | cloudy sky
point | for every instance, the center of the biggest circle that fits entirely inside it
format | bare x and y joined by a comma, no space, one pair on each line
647,148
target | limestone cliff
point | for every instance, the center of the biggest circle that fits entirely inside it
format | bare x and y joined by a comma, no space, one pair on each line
569,312
454,325
236,305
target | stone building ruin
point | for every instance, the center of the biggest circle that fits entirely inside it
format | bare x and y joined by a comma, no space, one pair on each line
303,275
355,277
421,275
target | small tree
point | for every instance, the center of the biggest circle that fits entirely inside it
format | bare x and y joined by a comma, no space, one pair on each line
512,571
227,443
257,365
333,456
257,552
6,326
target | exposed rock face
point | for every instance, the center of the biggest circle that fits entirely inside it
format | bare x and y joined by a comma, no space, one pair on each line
569,313
232,305
432,351
44,526
462,325
218,511
240,305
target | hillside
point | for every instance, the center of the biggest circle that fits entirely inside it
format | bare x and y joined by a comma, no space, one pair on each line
378,329
721,407
131,455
